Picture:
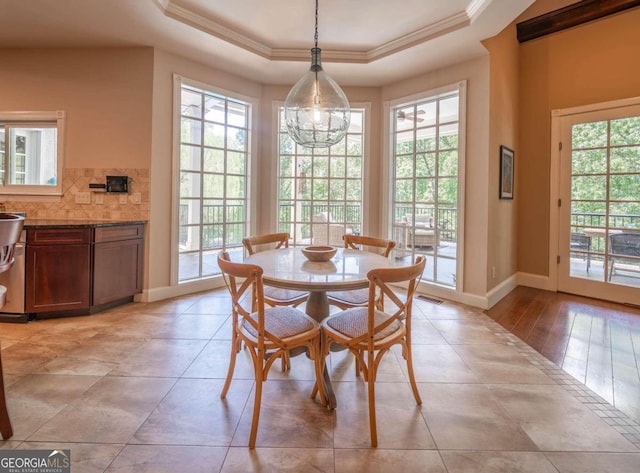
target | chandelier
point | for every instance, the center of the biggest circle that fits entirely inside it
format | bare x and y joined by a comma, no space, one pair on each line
316,111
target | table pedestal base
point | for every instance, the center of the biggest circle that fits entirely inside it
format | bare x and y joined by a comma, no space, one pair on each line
317,306
318,309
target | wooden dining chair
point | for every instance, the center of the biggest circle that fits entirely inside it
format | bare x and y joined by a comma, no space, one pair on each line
5,422
272,295
268,333
369,333
359,297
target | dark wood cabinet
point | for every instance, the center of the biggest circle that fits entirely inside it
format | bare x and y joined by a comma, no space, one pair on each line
78,270
58,271
117,263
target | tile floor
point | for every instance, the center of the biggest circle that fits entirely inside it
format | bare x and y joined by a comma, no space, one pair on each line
136,389
597,342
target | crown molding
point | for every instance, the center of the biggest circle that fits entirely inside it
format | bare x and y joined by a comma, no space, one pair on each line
434,30
475,8
214,28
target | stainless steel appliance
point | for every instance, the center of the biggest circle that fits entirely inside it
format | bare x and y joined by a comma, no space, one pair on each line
14,280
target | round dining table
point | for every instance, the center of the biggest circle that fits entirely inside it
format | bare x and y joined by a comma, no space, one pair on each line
288,268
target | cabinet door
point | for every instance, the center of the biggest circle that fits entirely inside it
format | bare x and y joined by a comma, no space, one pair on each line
57,277
117,270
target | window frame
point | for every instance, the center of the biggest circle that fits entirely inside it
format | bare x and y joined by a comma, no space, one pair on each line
312,154
54,119
250,185
435,287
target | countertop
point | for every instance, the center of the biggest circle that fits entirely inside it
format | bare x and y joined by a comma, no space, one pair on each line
64,223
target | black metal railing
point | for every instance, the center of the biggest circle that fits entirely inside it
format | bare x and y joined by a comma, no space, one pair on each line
351,215
596,220
214,232
580,221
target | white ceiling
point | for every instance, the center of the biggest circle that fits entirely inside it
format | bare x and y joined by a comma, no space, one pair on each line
364,42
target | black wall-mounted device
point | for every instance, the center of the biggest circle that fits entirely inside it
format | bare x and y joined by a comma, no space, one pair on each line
118,184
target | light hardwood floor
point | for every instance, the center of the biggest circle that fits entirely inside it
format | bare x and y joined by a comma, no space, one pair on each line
597,342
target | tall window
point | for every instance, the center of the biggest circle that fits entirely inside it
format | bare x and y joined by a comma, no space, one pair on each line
425,155
30,152
320,189
214,161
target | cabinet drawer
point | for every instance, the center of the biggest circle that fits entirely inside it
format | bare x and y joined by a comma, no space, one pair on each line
58,236
118,233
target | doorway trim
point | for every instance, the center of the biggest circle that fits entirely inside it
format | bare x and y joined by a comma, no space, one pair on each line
554,175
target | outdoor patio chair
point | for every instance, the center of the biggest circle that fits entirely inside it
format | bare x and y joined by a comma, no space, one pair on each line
420,231
623,246
369,333
582,242
327,232
268,333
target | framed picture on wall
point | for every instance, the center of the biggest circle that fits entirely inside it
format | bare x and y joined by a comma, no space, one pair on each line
506,172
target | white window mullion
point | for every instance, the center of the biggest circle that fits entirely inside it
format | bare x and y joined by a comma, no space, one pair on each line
321,232
198,261
421,120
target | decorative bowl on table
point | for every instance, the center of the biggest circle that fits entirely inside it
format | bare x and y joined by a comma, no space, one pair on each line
319,253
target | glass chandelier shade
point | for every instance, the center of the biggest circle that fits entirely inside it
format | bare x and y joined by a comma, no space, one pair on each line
316,111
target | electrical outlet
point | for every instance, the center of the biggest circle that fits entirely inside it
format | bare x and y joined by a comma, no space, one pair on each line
123,198
83,198
493,272
99,198
136,198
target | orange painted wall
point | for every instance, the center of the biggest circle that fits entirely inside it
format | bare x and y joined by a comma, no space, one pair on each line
106,94
503,126
592,63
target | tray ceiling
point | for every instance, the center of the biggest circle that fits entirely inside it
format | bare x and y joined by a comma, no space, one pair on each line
364,42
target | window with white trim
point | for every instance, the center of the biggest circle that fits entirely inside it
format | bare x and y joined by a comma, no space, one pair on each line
320,189
31,152
213,178
425,195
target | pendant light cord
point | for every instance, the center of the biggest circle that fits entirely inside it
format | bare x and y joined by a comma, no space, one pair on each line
316,35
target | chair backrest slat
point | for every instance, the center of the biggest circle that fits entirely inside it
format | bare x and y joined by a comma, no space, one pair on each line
257,243
244,280
381,278
368,243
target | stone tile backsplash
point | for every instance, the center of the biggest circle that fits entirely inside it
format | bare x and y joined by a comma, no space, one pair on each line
101,206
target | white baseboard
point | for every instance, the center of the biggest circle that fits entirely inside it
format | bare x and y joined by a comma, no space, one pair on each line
505,287
482,302
536,281
167,292
494,295
451,295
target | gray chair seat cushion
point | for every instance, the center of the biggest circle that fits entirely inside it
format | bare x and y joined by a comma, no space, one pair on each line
282,322
353,323
355,297
282,295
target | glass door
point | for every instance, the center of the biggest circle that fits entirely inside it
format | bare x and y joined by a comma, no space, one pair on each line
599,237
